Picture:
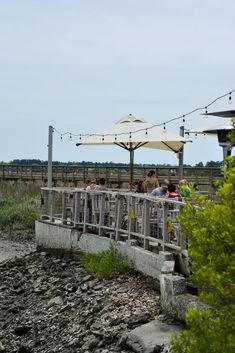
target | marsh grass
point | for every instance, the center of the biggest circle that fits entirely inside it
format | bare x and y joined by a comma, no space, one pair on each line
105,264
19,206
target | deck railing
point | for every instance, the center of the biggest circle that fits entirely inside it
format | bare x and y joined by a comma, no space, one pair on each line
147,221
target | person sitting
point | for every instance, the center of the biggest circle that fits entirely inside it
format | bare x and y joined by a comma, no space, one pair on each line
184,188
151,181
101,185
141,187
172,194
161,191
91,185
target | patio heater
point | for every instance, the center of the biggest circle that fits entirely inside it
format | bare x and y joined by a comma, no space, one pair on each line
222,131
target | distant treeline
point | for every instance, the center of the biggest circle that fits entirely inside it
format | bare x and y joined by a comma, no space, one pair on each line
217,164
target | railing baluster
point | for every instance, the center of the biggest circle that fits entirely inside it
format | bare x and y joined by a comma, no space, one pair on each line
164,216
146,223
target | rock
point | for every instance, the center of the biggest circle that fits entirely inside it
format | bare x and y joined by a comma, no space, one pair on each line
2,348
24,349
65,309
150,338
55,301
21,330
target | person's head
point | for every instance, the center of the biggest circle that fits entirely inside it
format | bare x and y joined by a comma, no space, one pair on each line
171,188
139,185
92,184
166,182
102,181
182,183
151,173
164,187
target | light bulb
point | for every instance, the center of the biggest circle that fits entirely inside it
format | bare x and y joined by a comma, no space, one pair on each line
230,99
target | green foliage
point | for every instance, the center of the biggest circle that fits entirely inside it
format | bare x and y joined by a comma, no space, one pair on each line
18,209
232,133
104,264
210,332
210,229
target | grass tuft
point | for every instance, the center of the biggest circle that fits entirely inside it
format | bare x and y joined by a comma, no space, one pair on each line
105,264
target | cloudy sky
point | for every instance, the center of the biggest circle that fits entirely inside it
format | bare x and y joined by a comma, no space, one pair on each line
80,65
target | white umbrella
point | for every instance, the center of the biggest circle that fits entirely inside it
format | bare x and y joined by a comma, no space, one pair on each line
132,132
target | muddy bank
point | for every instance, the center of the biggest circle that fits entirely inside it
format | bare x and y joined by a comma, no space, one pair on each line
16,244
51,304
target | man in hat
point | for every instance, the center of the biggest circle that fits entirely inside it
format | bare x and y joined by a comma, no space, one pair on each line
161,191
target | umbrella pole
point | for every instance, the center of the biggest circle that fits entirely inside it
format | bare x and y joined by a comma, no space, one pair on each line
131,167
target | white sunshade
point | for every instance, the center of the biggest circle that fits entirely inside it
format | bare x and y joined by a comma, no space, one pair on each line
130,133
133,132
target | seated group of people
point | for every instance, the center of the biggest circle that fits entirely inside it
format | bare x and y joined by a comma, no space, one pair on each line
166,189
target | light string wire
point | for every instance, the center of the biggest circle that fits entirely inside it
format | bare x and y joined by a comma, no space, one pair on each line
183,116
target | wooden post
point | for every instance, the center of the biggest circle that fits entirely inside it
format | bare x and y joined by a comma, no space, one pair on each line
49,166
131,166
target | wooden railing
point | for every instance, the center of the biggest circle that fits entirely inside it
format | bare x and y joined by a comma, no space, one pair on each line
116,176
149,221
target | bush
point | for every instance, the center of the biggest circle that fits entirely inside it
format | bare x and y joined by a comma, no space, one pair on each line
18,210
210,229
104,264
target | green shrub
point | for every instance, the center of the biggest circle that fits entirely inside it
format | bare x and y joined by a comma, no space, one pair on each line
210,229
104,264
18,209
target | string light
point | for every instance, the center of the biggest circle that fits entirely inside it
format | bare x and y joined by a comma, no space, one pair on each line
115,138
130,135
61,137
205,108
70,137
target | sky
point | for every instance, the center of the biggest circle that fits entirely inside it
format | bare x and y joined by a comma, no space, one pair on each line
80,65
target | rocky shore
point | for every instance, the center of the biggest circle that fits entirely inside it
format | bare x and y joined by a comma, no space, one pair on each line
51,304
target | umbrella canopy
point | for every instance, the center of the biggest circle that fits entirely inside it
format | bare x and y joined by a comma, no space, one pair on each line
132,132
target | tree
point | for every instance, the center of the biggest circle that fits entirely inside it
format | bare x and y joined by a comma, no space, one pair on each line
200,164
210,229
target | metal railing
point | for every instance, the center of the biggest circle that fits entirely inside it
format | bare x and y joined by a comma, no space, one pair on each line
149,221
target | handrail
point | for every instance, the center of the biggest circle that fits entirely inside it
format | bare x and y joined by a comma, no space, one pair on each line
148,221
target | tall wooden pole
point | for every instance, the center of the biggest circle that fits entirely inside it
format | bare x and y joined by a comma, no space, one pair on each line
181,156
131,167
49,165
